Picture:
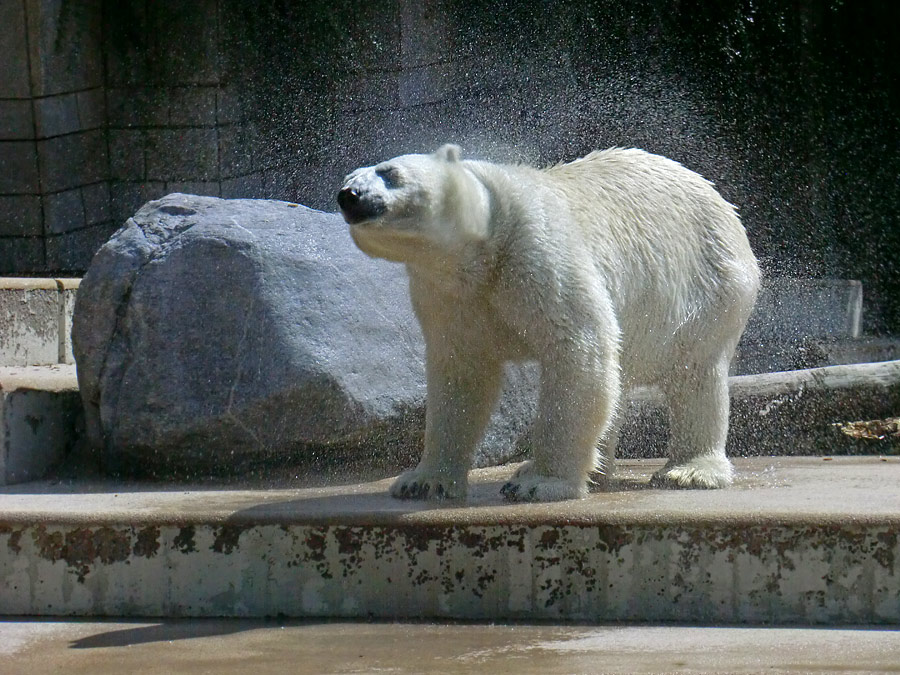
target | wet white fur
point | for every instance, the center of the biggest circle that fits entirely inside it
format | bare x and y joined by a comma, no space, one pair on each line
622,268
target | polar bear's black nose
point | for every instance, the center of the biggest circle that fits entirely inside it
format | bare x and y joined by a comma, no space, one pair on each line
347,199
356,207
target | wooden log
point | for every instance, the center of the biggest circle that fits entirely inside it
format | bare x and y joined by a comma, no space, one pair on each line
884,375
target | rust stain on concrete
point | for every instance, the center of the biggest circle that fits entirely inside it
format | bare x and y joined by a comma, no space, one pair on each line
80,548
885,551
15,537
147,544
226,538
49,544
184,540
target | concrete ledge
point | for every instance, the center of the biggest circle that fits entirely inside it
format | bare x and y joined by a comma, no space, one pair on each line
36,321
795,541
40,419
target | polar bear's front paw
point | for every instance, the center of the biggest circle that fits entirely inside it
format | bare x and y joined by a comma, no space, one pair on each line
700,472
418,484
529,486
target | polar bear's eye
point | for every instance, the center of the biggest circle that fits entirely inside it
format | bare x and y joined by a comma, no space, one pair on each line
390,175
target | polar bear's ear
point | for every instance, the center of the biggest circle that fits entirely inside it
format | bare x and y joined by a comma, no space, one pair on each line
449,152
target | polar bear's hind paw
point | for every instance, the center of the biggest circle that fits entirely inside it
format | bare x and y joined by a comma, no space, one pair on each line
700,472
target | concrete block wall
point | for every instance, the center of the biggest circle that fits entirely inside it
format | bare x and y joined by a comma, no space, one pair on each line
162,93
54,171
208,98
105,105
21,218
178,119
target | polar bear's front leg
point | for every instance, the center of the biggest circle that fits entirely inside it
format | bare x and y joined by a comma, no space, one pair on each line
461,395
577,402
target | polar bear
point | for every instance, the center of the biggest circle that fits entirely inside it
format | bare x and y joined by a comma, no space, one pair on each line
619,269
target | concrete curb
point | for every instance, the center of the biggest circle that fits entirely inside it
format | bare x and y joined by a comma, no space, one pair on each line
776,548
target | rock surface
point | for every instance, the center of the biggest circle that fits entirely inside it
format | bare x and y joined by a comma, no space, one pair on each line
232,335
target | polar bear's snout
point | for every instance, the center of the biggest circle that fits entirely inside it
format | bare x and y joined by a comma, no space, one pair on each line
357,208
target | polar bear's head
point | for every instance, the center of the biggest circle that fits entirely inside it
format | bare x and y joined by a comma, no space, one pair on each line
416,207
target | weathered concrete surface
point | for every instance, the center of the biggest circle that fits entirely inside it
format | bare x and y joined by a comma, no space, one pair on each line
240,646
36,320
68,290
795,541
40,420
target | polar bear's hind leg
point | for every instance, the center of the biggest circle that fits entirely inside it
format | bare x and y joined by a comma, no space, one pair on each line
698,427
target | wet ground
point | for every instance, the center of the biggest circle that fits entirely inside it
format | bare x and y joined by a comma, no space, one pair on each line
238,646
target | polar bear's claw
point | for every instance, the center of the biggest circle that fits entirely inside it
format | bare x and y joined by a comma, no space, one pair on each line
536,488
511,491
415,485
527,485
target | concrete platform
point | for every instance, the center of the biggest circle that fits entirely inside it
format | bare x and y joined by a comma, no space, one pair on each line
796,540
240,646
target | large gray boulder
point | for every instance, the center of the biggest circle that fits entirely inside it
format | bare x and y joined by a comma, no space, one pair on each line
240,335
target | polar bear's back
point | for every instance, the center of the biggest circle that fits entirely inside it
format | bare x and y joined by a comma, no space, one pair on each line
635,195
653,214
668,243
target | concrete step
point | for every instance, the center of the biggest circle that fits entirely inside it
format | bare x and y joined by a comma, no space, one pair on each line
41,419
796,540
36,321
